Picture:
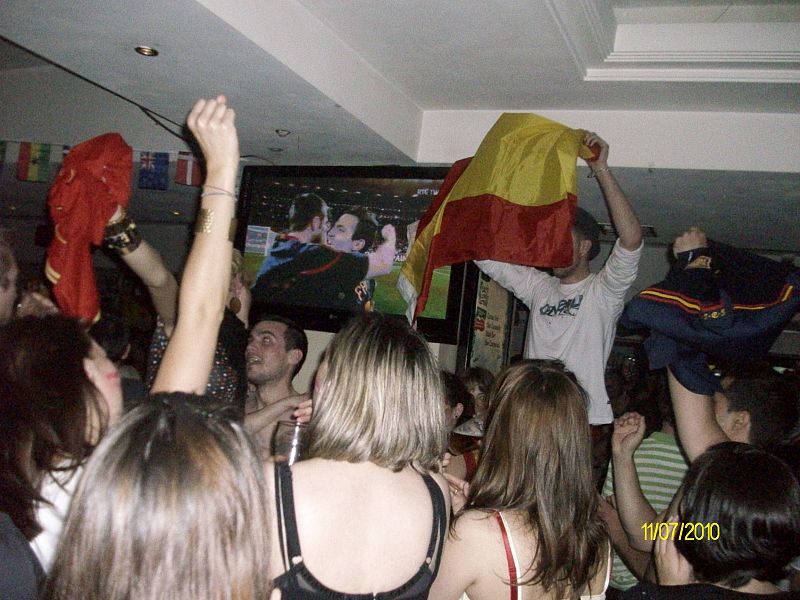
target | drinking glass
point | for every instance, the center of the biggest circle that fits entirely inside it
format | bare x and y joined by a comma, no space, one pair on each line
287,443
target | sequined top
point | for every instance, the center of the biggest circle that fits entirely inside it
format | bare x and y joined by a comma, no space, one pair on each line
227,384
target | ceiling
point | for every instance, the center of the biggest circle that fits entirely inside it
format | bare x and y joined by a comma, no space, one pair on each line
420,81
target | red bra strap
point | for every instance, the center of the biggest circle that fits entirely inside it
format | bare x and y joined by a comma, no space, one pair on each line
512,568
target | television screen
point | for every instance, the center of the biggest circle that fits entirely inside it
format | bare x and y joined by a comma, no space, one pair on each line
319,273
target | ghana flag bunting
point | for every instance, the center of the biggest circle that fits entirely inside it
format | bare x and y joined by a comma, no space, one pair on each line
514,201
33,163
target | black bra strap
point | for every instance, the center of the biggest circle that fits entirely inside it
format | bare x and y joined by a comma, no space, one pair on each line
439,529
287,520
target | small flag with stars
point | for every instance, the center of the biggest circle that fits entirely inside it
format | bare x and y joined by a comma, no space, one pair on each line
154,170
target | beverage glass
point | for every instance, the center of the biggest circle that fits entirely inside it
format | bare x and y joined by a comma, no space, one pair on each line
287,443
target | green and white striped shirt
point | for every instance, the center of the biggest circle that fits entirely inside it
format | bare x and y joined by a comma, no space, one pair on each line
661,468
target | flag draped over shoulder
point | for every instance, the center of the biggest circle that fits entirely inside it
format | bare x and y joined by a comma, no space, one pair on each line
514,201
94,179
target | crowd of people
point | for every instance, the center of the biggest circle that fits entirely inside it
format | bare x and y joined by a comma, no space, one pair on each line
413,482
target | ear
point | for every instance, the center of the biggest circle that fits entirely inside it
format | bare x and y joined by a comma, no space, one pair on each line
294,356
358,245
740,422
316,223
458,410
584,247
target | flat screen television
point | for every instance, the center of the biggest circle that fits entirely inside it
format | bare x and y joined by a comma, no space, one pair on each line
398,196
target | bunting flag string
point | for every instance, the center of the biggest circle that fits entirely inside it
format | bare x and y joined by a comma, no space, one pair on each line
34,160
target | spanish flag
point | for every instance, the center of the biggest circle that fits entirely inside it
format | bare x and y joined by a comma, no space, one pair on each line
514,201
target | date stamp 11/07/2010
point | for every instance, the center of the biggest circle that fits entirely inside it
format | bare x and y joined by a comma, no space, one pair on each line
671,530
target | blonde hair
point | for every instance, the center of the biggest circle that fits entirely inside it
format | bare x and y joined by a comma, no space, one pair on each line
381,399
172,505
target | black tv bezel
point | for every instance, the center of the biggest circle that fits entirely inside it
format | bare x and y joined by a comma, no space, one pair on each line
449,330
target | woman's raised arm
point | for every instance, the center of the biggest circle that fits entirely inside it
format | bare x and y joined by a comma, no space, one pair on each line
204,287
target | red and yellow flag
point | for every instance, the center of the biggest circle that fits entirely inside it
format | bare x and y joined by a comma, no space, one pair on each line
514,201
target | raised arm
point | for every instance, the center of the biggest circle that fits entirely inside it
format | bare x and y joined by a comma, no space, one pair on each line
694,413
622,214
382,259
634,509
206,277
697,425
147,265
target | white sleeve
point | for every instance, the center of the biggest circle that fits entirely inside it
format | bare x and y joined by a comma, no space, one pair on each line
619,272
520,281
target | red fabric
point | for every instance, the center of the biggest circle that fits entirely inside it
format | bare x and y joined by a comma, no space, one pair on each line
535,236
94,179
512,569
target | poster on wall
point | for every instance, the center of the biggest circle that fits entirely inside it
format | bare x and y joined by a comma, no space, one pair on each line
491,325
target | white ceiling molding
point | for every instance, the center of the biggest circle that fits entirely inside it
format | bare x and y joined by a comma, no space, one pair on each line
587,27
708,42
757,53
694,75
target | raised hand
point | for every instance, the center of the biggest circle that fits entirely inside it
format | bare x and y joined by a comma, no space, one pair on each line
628,434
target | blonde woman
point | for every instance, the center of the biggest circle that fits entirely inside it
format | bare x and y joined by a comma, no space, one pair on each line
366,512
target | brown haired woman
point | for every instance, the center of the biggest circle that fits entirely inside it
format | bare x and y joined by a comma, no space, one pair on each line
531,527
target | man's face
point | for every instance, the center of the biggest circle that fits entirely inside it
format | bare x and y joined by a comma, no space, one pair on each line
340,236
8,295
266,354
563,272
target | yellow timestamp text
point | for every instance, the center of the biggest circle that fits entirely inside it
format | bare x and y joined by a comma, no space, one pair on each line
671,530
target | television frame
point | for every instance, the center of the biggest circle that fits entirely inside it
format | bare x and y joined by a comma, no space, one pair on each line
458,315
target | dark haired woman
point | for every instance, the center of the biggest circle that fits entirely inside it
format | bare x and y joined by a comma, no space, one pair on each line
172,504
531,527
59,393
744,506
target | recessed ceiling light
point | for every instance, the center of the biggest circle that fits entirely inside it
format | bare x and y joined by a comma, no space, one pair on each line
276,149
282,132
146,51
177,213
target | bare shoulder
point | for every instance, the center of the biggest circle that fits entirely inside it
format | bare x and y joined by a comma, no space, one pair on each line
475,528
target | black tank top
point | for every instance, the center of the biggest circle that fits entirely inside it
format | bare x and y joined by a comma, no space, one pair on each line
298,582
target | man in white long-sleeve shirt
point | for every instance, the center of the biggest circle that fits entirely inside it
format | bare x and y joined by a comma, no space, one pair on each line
574,312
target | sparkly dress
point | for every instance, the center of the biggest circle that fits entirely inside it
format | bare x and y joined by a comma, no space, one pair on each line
227,384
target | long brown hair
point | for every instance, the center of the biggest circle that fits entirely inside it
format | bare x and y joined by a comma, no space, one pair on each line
172,504
536,460
46,398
